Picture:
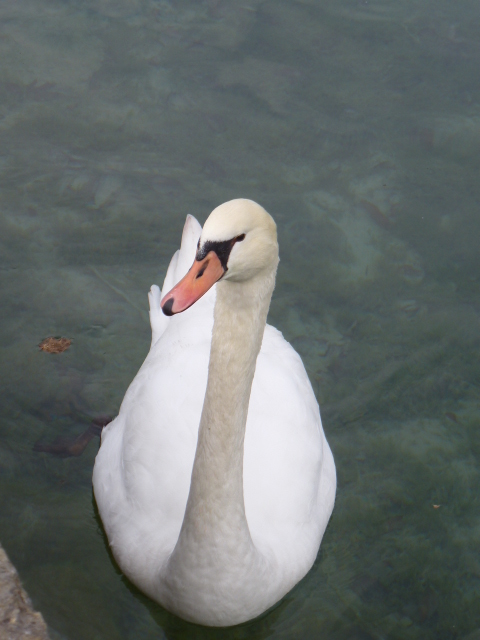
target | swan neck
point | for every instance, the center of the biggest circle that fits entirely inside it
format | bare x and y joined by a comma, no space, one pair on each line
215,527
239,323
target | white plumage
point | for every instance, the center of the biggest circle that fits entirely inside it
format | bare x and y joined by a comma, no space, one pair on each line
223,572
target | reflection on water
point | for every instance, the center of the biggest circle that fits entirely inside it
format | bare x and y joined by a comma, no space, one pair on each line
357,125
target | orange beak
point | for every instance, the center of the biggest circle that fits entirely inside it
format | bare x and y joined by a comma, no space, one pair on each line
202,276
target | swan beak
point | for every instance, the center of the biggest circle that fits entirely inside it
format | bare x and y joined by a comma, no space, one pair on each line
202,276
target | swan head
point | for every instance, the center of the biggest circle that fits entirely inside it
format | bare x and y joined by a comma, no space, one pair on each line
238,243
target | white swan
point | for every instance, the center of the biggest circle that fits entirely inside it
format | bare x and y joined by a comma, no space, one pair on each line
217,522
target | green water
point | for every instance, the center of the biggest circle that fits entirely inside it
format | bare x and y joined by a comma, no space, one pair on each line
357,125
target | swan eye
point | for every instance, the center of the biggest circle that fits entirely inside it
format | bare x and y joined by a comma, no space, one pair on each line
221,247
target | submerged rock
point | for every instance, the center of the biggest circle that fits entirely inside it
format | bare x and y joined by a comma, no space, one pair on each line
18,620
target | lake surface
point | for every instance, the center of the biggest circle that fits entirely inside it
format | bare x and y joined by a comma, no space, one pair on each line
356,124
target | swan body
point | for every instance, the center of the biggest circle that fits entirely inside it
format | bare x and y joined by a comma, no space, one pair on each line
215,482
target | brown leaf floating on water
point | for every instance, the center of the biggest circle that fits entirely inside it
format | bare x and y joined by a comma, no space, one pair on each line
54,345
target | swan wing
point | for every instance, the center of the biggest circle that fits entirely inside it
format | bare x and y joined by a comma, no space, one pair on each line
179,264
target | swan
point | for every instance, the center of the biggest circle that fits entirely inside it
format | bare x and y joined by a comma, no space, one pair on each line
215,482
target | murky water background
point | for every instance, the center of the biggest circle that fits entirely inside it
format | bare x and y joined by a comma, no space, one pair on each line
357,125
